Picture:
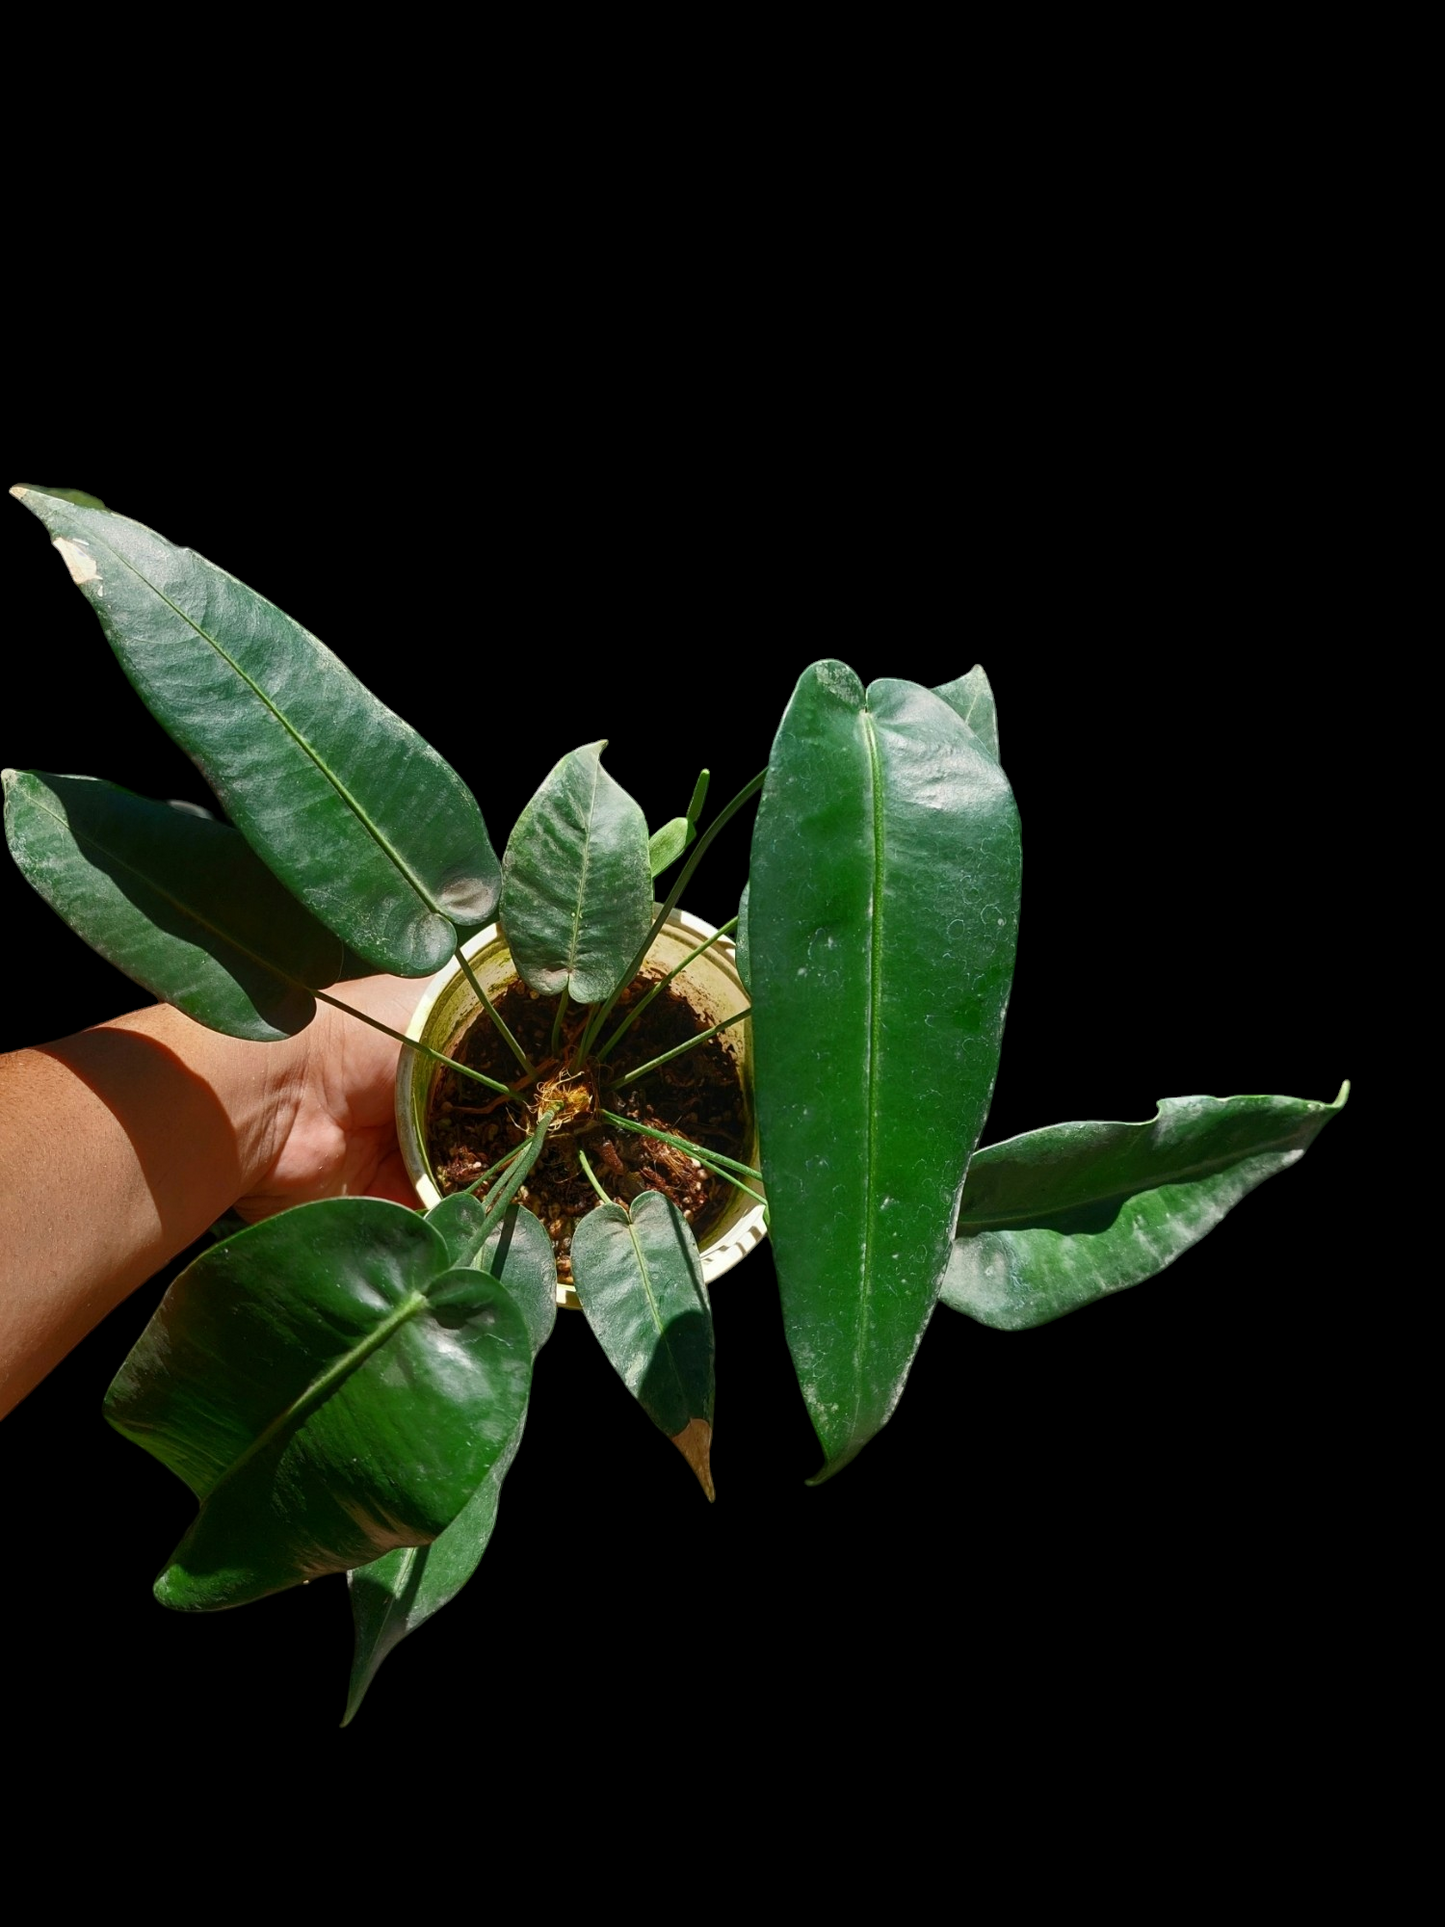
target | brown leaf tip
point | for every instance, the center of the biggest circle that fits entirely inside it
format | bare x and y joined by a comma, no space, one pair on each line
694,1442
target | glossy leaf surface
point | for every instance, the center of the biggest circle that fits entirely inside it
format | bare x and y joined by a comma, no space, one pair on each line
577,886
971,697
395,1594
517,1250
178,901
1060,1217
355,813
637,1273
882,920
329,1387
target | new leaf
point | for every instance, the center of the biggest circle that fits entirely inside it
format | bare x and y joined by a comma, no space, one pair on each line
577,886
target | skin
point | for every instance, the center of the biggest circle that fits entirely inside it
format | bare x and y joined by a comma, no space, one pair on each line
170,1126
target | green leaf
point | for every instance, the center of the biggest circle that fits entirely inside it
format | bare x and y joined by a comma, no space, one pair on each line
740,943
178,901
1060,1217
882,920
666,845
517,1250
359,817
638,1276
395,1594
576,889
329,1388
971,697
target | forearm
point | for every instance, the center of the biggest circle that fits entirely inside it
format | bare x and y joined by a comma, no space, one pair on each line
119,1147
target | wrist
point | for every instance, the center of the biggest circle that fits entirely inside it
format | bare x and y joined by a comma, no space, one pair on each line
249,1092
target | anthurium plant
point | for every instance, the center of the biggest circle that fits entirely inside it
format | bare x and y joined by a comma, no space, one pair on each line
345,1386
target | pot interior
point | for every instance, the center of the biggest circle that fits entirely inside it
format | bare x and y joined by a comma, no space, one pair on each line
711,984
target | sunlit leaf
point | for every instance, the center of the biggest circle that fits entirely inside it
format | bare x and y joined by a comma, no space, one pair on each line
882,919
329,1387
971,697
1060,1217
577,889
637,1273
351,809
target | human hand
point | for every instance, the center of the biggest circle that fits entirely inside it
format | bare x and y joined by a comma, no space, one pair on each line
335,1099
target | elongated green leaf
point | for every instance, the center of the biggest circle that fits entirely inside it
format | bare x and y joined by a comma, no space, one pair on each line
329,1387
359,817
638,1275
971,697
173,898
1056,1218
395,1594
576,889
882,919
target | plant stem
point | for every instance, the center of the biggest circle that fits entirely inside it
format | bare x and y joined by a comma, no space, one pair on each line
411,1043
685,875
492,1169
727,1177
637,1009
512,1183
495,1015
678,1050
591,1176
562,1002
682,1144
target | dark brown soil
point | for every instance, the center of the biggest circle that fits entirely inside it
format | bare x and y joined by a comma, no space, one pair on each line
698,1097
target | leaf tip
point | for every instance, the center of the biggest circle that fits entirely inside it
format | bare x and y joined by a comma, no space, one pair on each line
20,491
170,1588
835,1464
694,1442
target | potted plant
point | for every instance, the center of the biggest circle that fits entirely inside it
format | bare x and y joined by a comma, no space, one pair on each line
885,852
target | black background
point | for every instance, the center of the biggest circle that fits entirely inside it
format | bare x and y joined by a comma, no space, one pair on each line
1146,1477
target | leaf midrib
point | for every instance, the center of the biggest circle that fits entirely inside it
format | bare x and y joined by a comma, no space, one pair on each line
870,1075
393,855
582,878
322,1384
646,1275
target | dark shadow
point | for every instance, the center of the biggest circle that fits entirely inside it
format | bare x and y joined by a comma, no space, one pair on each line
683,1362
229,886
1079,1221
